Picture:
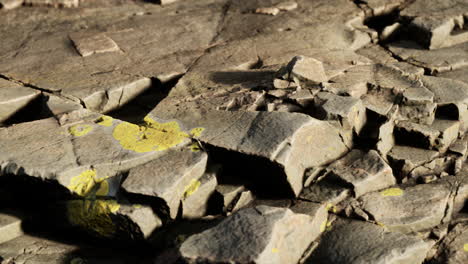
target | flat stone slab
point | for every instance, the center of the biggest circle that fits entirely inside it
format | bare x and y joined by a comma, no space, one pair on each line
10,227
405,158
351,241
14,97
89,44
256,235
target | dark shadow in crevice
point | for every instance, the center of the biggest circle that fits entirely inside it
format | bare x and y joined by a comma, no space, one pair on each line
136,109
243,77
410,138
447,112
33,111
369,134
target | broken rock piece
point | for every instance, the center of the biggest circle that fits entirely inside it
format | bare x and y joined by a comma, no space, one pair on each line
268,11
255,235
89,43
10,227
404,159
195,202
376,245
304,71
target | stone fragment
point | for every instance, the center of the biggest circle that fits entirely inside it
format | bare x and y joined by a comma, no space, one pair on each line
111,219
267,11
389,31
440,135
439,166
289,139
60,106
173,177
365,171
454,247
195,205
88,43
460,146
10,4
383,7
13,97
438,60
229,193
379,101
303,97
352,241
256,235
456,74
435,23
404,159
287,6
166,2
409,209
326,191
304,71
10,227
53,3
245,198
386,140
349,111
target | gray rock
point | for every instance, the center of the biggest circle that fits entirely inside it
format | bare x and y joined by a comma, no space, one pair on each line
458,74
228,193
10,227
245,198
195,203
304,71
351,241
326,192
14,97
404,159
365,171
454,247
409,209
256,235
88,43
386,140
174,176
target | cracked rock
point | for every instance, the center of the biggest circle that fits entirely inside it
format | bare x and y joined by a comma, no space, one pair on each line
404,159
256,235
14,97
365,171
410,209
376,245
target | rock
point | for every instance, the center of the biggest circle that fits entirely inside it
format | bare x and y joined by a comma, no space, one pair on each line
327,192
349,111
10,227
283,138
114,220
434,22
287,6
438,60
53,3
382,7
195,203
88,43
14,97
440,135
409,209
454,246
365,171
229,193
304,71
59,106
245,198
458,74
267,11
380,101
256,235
351,241
173,177
404,159
460,146
10,4
386,140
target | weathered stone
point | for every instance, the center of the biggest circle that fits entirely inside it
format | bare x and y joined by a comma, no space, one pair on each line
228,193
365,171
289,139
10,227
454,247
174,176
438,60
256,235
348,110
409,209
326,191
404,159
14,97
304,71
439,166
435,21
386,140
195,204
440,135
245,198
267,11
460,146
88,43
458,74
111,219
54,3
287,5
58,106
382,7
351,241
10,4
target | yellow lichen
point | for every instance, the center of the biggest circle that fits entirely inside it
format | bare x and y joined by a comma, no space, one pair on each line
191,188
195,147
331,208
323,226
137,206
196,132
392,192
80,130
274,250
93,215
465,247
87,184
151,136
104,121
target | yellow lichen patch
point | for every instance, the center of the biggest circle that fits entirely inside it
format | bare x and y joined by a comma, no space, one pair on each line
93,215
380,224
137,206
104,121
151,136
196,132
323,226
87,184
274,250
331,208
191,188
465,247
80,130
392,192
195,147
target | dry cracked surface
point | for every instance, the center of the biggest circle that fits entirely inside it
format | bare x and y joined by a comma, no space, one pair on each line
221,131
